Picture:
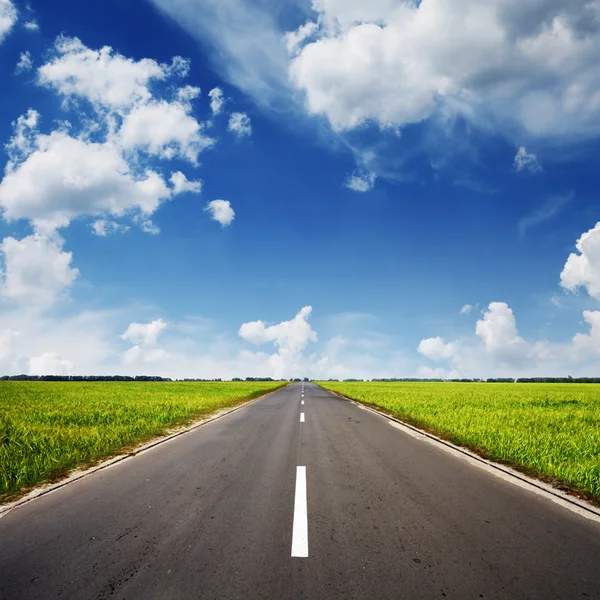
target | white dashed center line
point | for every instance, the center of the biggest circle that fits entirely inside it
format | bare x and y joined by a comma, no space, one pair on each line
300,528
301,401
301,417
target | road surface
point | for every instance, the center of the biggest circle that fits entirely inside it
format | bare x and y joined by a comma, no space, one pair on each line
219,512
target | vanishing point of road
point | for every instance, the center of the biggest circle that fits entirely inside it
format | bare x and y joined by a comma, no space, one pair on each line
298,495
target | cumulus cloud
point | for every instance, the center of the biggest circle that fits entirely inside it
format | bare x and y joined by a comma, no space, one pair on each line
145,334
101,170
164,129
466,309
436,349
62,177
31,26
525,161
361,182
528,66
216,100
104,77
498,332
582,269
221,211
104,228
36,270
49,363
290,337
182,184
25,63
239,123
8,17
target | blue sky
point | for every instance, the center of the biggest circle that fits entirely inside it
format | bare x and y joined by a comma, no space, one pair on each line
422,175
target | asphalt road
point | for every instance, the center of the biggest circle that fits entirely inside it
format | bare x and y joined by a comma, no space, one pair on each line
216,513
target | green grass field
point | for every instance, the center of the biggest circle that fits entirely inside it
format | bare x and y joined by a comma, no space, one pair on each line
551,431
49,428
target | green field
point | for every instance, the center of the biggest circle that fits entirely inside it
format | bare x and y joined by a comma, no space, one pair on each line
551,431
49,428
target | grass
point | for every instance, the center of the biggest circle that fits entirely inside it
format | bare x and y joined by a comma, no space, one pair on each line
49,428
551,431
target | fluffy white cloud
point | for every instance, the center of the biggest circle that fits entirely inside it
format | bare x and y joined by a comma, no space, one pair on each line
145,334
65,177
293,335
239,123
182,184
25,63
36,270
165,129
436,349
528,66
290,337
104,77
361,182
49,363
221,211
104,228
583,269
584,344
216,100
8,17
498,332
466,309
137,356
31,26
524,161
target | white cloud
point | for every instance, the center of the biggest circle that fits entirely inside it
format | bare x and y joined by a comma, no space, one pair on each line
25,63
49,363
188,93
65,177
23,140
31,26
182,184
144,334
436,349
8,17
361,182
466,309
216,100
525,161
221,211
498,332
103,77
36,270
104,228
165,129
528,67
290,337
239,123
294,39
137,356
583,269
148,226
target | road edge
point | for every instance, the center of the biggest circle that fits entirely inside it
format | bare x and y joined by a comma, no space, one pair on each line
536,486
81,473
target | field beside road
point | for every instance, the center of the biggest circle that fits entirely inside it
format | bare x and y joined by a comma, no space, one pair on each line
50,428
551,431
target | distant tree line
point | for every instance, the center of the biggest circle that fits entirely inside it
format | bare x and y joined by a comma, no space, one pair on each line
82,378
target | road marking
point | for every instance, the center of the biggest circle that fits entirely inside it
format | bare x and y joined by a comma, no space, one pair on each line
300,528
301,401
301,417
